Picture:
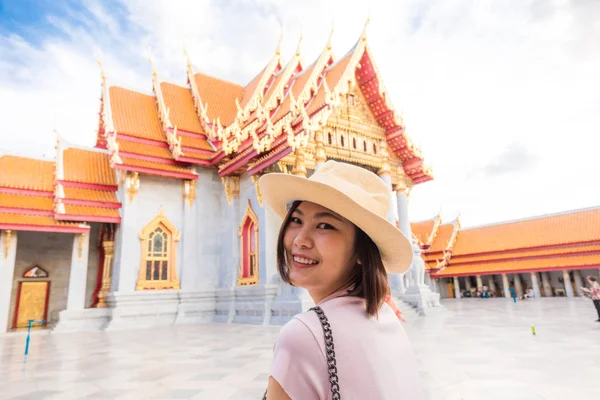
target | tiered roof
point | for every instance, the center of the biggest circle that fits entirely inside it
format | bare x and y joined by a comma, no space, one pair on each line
27,197
304,104
436,241
85,186
569,240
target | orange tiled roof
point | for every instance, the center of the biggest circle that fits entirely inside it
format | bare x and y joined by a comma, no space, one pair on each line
198,156
523,265
26,202
180,104
26,173
572,227
135,114
332,77
220,96
154,165
444,234
86,166
251,88
197,143
35,220
422,230
104,196
525,253
144,149
91,211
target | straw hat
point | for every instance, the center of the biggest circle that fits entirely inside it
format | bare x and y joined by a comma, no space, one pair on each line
356,194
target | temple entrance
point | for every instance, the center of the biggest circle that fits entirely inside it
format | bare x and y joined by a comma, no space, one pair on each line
32,303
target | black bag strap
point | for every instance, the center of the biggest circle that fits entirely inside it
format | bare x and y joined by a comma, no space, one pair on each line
330,354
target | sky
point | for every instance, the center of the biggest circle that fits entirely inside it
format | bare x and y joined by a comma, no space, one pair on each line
502,96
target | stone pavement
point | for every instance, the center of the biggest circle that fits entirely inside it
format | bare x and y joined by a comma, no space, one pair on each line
478,349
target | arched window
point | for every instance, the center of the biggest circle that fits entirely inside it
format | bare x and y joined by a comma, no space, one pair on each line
159,241
329,138
248,231
365,146
354,143
374,149
342,140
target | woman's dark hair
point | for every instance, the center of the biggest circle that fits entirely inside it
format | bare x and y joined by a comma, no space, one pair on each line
368,280
592,278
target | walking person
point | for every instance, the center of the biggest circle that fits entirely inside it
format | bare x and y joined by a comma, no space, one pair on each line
336,242
594,293
513,293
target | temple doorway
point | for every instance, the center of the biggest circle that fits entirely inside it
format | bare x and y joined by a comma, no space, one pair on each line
32,298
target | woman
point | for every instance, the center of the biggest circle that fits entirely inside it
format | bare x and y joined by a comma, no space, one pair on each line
594,293
335,242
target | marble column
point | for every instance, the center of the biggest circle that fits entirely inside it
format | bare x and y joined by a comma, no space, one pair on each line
456,287
127,242
109,252
518,286
505,286
578,282
546,285
479,282
468,282
491,284
535,284
8,256
567,282
384,174
78,275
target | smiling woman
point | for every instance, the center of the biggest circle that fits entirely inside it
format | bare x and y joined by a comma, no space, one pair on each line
336,242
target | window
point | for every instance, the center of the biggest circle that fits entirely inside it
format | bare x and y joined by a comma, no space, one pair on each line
365,146
354,143
329,137
351,100
158,269
35,272
342,141
248,232
374,149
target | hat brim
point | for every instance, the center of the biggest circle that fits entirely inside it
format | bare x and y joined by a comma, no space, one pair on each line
278,190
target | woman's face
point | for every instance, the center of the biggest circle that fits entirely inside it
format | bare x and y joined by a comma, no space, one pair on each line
319,246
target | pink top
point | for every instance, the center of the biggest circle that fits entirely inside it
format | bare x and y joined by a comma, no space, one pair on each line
374,358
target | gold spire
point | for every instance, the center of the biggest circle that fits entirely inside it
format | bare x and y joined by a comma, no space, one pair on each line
278,51
298,46
329,45
363,36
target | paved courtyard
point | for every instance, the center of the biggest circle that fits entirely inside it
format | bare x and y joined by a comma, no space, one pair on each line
477,349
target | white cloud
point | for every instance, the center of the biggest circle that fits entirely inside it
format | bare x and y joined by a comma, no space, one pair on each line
471,78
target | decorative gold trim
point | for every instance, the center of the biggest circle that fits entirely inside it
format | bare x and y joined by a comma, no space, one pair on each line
232,187
255,179
7,237
189,191
299,167
80,249
173,238
248,214
109,251
132,184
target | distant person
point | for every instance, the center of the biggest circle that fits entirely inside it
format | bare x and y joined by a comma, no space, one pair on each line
594,293
513,293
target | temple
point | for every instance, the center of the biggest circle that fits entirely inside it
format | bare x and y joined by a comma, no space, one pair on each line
548,255
161,222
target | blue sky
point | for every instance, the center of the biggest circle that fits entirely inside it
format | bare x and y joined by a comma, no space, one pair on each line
502,95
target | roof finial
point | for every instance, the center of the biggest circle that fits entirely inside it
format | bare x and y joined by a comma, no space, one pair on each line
298,47
364,32
329,46
278,51
187,58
